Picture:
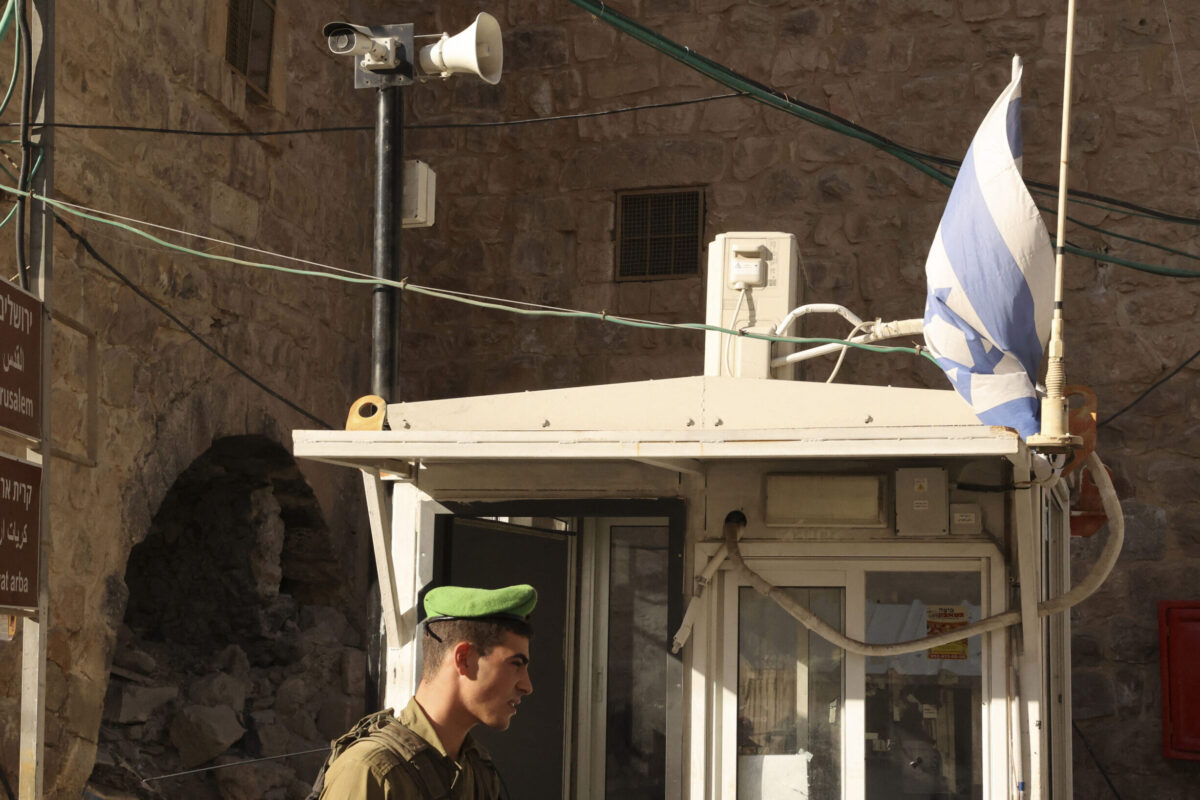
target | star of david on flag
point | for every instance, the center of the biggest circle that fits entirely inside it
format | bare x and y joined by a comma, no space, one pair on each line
990,276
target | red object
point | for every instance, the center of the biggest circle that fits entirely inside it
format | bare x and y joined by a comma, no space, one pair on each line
1179,657
1087,515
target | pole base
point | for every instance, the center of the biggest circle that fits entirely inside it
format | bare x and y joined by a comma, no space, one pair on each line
1054,445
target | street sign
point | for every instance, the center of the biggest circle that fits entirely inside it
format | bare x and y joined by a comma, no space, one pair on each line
20,361
20,532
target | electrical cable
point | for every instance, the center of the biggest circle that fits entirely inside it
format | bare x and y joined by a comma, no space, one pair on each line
735,524
146,781
91,251
1154,386
1095,760
5,23
23,43
825,119
758,91
492,303
4,777
1182,82
737,309
842,355
417,126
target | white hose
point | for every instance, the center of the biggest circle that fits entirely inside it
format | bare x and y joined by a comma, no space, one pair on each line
878,332
816,308
1100,571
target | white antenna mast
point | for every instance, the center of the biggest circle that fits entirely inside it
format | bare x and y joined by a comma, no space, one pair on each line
1055,436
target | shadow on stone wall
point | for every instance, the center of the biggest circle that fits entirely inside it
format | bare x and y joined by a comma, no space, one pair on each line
234,644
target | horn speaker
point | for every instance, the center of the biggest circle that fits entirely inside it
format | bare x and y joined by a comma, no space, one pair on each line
478,50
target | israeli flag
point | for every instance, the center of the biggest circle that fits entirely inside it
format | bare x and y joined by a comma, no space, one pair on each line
990,276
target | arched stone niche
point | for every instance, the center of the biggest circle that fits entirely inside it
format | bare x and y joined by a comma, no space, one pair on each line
235,643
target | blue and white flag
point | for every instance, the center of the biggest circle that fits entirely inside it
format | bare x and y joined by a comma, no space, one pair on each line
990,276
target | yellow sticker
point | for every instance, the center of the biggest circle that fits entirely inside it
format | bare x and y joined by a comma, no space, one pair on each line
939,619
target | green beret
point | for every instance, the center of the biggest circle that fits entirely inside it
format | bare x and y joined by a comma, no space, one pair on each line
463,602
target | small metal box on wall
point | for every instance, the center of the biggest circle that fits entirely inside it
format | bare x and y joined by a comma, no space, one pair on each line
922,502
1179,653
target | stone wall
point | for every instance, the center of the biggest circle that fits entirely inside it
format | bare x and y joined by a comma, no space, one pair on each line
162,399
527,213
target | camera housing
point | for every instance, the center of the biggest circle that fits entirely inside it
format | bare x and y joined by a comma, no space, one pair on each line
382,53
377,52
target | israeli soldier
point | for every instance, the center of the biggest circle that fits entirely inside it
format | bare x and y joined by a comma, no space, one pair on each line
475,670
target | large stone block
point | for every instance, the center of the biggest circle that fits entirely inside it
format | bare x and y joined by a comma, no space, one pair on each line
201,733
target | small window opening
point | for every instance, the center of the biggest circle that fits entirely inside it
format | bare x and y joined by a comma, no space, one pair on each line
659,233
248,42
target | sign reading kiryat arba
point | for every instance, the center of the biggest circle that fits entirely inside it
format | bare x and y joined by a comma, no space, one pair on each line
20,529
20,361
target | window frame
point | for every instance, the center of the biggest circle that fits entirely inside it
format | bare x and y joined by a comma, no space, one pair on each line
259,94
618,232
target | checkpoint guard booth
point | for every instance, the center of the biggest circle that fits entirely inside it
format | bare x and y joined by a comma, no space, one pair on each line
729,567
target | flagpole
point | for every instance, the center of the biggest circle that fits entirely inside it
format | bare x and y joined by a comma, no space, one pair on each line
1055,435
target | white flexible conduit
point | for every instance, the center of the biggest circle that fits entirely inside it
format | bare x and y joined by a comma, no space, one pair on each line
1093,581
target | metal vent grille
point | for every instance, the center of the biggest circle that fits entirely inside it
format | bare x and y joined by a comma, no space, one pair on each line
659,233
248,36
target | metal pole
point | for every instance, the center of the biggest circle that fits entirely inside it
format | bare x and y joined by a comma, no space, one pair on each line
35,630
1055,436
389,188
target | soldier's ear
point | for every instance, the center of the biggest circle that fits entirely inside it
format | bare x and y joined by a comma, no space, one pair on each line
465,658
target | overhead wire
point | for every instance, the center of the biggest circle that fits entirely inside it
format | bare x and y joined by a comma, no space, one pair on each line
102,261
23,43
1147,392
410,126
925,163
1182,83
500,304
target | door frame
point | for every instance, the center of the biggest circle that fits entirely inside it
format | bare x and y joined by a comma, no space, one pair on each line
713,698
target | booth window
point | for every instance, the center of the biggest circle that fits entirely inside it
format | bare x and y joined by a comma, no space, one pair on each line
248,36
659,233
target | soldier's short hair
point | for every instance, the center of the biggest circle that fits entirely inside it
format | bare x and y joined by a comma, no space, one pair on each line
440,637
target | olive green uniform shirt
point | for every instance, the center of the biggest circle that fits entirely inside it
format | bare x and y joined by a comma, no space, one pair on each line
367,770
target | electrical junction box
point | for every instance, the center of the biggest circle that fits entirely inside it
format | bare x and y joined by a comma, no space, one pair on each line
417,205
966,519
767,266
922,502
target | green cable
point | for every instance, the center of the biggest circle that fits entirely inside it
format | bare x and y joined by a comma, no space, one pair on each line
727,77
424,290
757,91
1122,262
5,23
33,171
10,11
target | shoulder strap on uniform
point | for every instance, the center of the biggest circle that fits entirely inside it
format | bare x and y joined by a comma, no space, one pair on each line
361,729
419,758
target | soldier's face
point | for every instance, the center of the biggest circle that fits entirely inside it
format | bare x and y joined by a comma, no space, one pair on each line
501,681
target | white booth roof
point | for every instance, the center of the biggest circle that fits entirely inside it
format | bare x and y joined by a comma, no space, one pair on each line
680,420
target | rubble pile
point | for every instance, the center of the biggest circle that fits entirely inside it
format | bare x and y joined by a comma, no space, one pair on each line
215,664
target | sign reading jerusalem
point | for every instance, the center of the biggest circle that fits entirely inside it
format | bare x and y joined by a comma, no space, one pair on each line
20,512
20,361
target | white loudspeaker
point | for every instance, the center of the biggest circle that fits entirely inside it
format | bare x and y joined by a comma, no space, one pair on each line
479,50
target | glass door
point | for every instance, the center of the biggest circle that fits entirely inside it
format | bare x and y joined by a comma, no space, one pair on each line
783,704
790,696
629,684
923,710
794,716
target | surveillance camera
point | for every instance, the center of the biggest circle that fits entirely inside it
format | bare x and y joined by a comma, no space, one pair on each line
377,52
